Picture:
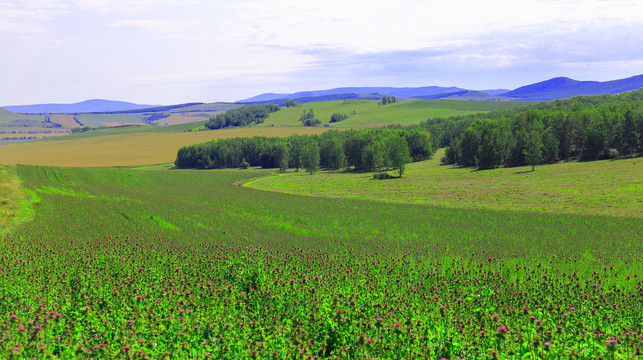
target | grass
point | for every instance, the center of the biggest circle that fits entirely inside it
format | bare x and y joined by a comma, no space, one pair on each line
608,187
15,202
10,195
123,263
367,113
128,149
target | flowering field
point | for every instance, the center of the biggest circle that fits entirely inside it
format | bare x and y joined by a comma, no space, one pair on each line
126,263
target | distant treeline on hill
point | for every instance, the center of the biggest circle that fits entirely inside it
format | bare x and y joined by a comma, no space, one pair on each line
253,114
368,149
583,127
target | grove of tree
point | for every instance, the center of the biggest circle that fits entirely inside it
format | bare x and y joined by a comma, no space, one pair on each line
363,150
582,128
243,116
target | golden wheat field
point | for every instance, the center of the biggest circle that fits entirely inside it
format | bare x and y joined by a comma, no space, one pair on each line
127,149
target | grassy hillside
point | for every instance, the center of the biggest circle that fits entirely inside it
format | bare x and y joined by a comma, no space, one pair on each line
12,197
608,187
127,149
136,264
366,113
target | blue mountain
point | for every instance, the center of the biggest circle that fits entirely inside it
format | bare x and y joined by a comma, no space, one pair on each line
563,88
391,91
95,105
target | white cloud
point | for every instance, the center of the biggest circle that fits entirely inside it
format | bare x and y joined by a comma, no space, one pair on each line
408,25
29,16
179,29
126,7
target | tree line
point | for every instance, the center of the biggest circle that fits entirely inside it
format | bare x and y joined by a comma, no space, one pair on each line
583,128
253,114
363,150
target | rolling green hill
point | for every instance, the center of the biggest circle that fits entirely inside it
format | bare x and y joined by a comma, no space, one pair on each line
368,113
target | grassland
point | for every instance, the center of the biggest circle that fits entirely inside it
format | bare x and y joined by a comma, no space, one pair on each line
11,196
607,187
128,149
367,113
124,263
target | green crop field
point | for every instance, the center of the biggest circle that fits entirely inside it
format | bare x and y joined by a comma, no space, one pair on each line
135,263
12,198
607,187
367,113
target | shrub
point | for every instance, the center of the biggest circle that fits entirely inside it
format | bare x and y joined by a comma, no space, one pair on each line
382,176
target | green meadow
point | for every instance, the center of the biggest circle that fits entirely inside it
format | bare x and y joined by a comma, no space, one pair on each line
152,263
368,113
606,187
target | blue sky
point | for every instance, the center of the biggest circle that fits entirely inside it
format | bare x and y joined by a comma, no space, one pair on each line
170,51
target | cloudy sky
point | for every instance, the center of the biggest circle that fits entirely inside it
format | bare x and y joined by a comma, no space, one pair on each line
174,51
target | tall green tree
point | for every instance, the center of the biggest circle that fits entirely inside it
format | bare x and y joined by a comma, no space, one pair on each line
419,144
374,156
629,135
310,157
334,152
491,149
398,152
469,143
280,156
550,148
533,150
295,152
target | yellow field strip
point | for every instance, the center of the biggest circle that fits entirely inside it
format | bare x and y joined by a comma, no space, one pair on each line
127,149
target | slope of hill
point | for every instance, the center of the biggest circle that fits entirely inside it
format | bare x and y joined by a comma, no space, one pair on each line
563,87
391,91
592,188
364,113
95,105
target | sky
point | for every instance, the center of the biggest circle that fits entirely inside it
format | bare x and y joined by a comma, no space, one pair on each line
177,51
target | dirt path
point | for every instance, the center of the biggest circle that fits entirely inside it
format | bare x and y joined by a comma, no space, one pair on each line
241,182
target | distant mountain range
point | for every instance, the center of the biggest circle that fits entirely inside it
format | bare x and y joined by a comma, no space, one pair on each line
375,93
563,88
95,105
556,88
